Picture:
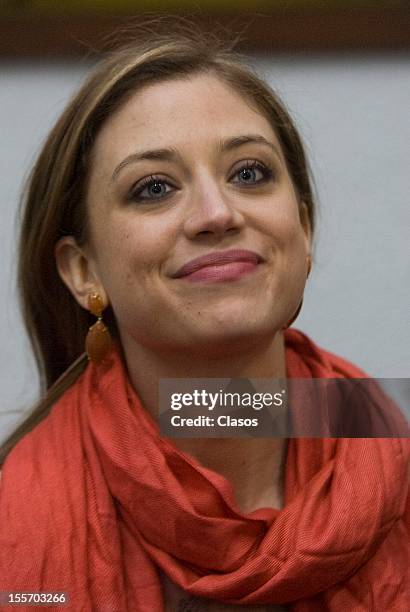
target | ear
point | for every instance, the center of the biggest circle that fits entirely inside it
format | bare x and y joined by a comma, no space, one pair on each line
77,269
306,225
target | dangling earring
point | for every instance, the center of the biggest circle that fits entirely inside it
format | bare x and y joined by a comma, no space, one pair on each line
295,316
98,341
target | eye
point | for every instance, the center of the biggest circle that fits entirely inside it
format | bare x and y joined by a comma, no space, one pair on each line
252,173
150,188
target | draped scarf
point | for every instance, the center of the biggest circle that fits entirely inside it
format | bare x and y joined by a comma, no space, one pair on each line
94,502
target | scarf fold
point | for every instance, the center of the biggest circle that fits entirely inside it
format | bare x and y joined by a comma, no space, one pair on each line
93,501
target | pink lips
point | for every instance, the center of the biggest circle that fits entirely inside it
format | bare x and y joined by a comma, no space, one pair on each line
220,266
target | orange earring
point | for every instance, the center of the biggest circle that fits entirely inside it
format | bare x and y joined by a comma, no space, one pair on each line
295,316
98,341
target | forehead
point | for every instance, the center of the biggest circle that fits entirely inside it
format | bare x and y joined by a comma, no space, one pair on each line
182,113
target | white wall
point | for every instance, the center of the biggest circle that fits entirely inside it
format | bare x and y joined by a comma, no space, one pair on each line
353,114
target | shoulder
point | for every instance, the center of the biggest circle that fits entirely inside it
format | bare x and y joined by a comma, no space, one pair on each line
45,449
36,475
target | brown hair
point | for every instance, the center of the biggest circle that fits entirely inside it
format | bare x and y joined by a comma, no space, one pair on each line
54,204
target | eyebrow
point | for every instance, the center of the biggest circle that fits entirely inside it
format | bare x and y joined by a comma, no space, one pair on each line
171,154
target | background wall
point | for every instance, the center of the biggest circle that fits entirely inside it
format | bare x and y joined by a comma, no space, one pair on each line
353,114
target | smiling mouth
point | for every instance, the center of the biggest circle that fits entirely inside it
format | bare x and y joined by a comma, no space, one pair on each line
223,272
220,266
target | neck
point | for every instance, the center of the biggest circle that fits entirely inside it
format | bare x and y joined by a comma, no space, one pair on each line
253,466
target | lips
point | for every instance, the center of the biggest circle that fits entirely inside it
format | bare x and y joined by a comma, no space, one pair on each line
218,258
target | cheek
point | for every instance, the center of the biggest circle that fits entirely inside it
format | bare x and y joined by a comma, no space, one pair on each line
131,256
285,228
288,241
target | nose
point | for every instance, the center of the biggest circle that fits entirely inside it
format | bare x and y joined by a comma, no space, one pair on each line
211,211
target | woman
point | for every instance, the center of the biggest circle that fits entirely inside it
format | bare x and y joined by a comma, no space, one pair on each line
172,201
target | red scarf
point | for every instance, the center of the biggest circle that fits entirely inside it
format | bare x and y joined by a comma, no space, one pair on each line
93,500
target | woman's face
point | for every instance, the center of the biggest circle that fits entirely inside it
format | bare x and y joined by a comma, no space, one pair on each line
187,168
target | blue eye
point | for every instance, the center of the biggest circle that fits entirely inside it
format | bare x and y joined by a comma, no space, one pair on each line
150,188
253,173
